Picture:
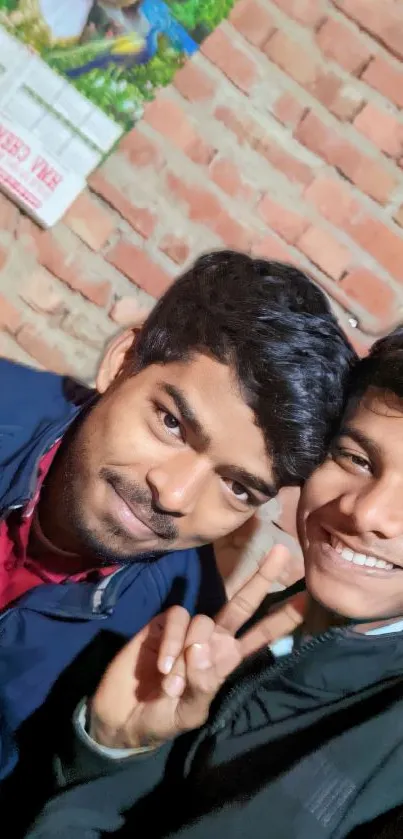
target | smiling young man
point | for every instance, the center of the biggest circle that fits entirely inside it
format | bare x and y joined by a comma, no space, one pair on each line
305,739
230,390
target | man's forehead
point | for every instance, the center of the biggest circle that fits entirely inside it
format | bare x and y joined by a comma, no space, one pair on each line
373,405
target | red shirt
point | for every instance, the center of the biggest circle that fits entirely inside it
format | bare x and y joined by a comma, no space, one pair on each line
18,571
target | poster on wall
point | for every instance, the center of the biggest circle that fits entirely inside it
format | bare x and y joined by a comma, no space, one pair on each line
74,76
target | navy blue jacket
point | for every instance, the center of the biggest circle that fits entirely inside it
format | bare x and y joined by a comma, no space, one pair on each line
47,629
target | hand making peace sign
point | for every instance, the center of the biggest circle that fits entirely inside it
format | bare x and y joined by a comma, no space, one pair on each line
163,681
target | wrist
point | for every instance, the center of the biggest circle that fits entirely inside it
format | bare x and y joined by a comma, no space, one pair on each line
111,737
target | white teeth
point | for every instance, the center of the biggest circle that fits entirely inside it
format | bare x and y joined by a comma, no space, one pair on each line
357,558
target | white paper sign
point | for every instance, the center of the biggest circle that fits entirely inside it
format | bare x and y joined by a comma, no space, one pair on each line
32,177
51,137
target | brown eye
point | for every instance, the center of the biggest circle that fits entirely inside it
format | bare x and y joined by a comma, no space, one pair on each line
352,460
171,424
240,492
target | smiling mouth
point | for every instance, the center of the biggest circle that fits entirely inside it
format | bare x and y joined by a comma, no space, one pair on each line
356,558
128,513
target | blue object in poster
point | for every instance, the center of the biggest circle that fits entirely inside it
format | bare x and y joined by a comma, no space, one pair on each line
116,53
160,17
140,45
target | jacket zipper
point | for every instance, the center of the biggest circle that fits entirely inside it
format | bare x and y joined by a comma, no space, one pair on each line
248,686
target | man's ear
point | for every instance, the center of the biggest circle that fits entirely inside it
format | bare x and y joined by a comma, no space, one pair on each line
114,359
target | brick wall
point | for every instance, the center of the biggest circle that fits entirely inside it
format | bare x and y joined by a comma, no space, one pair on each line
283,136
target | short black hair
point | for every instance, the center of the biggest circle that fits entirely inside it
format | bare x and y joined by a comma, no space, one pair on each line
382,368
275,327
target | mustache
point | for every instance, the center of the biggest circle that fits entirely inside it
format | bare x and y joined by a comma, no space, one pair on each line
139,496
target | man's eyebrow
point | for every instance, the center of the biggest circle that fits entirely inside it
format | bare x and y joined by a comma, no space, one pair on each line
359,437
246,478
186,411
238,474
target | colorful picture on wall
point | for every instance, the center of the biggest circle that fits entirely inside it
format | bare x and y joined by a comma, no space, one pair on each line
117,53
74,76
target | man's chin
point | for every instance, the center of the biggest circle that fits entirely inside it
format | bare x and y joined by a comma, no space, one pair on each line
339,599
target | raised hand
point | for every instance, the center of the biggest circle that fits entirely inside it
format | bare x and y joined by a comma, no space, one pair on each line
163,681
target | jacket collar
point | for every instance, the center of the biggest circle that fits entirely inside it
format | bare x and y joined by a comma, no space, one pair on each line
39,409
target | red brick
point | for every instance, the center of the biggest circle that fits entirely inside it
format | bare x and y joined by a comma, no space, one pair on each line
4,256
383,129
339,43
176,248
299,63
193,83
167,117
232,120
253,21
205,208
288,110
140,219
70,270
86,329
381,242
226,175
288,224
141,151
373,179
232,233
48,355
291,167
399,216
42,292
307,12
201,204
127,312
10,317
371,293
91,223
246,130
29,234
294,59
360,345
233,62
369,175
9,215
325,252
387,79
139,268
347,103
383,19
269,247
334,202
326,88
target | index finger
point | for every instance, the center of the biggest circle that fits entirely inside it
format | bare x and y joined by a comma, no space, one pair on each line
176,622
244,602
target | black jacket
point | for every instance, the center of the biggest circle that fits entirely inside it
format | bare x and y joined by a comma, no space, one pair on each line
307,747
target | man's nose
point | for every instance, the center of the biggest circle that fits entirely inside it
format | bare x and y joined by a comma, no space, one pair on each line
177,484
376,509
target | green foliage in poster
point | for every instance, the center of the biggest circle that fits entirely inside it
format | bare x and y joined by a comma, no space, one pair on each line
193,14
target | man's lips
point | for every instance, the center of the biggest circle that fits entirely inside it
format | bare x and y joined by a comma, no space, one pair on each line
134,512
364,555
336,550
